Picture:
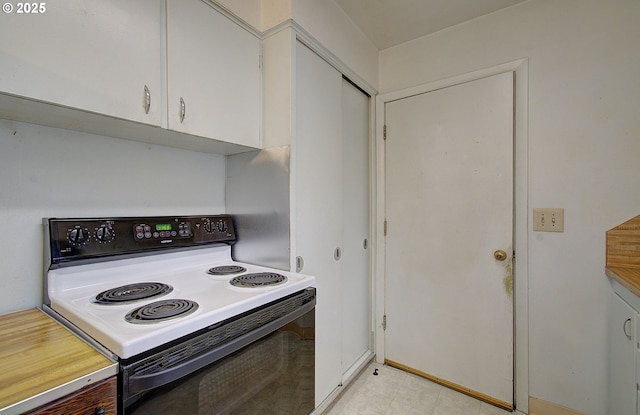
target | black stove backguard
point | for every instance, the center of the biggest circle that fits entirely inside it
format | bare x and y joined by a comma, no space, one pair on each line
98,239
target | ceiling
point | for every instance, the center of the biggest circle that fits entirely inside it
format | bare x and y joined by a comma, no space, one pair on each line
391,22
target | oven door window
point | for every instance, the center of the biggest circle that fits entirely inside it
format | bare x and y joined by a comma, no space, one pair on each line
274,375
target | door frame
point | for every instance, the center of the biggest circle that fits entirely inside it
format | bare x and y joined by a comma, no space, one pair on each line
520,180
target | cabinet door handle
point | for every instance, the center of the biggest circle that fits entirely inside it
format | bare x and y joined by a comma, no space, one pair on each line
299,263
624,328
365,244
337,254
147,99
183,110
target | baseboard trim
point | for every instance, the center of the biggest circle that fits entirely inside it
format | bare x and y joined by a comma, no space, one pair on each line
540,407
474,394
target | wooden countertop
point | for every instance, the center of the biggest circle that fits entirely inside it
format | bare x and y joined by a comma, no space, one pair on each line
629,278
623,244
623,255
41,361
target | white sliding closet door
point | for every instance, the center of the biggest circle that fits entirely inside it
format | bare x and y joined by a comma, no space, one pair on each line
317,164
356,294
330,207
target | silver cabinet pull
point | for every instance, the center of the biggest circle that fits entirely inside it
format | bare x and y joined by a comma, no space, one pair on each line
299,263
365,243
183,110
624,328
337,254
147,99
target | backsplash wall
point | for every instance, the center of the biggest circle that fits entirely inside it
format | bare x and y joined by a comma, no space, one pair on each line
48,172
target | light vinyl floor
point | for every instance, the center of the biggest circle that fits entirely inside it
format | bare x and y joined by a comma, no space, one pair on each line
395,392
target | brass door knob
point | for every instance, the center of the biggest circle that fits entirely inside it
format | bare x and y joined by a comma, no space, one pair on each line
500,255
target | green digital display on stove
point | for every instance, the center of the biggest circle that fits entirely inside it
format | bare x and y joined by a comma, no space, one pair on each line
163,226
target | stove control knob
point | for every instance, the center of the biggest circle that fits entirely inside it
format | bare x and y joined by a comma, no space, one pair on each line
78,236
208,226
104,233
222,226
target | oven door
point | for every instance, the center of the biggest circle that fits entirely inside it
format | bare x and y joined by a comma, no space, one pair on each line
261,362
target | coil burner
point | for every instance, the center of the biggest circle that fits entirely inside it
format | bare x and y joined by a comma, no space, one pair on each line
259,279
160,311
226,270
133,292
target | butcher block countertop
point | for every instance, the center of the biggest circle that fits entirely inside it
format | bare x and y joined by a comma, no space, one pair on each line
623,255
41,361
629,278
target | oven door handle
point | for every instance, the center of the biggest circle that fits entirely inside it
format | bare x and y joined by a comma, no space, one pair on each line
141,383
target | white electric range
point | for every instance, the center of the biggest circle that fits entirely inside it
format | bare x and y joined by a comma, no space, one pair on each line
145,288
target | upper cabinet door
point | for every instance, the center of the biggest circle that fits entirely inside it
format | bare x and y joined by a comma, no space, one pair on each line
214,74
95,55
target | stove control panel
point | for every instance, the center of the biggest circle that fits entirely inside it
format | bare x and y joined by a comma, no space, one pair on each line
70,240
153,231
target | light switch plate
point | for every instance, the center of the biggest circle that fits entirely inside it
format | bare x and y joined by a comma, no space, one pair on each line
548,219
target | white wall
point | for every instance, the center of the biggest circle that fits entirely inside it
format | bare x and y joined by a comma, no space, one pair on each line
583,155
247,10
47,172
324,20
328,23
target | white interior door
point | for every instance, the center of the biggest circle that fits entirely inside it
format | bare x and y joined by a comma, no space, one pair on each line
449,207
356,292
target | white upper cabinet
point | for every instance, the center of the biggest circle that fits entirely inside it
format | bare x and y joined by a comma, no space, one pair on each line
93,55
214,74
187,68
